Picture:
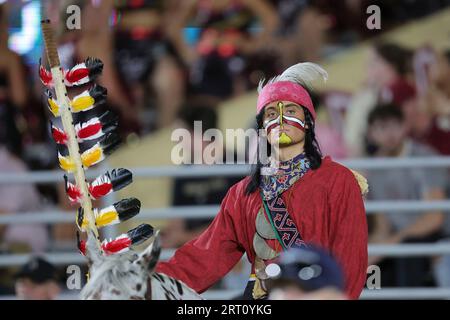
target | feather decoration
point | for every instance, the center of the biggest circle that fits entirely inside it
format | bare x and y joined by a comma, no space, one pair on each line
92,129
72,191
301,73
58,134
102,148
45,75
89,99
120,211
93,155
114,180
81,245
52,105
123,242
66,163
109,182
80,74
96,127
84,72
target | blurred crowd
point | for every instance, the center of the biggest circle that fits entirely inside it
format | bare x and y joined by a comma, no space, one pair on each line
173,62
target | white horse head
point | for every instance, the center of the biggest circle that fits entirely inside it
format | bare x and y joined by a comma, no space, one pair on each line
130,276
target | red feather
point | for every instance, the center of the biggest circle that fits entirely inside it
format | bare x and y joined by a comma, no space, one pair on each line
82,247
77,75
81,244
72,191
45,75
101,190
116,245
89,130
59,135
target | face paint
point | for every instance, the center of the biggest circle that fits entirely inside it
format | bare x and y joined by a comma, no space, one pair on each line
280,121
294,122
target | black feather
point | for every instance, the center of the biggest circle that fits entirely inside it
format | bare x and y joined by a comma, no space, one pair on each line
120,178
140,234
95,67
127,208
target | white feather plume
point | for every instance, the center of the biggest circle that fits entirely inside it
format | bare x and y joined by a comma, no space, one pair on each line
301,73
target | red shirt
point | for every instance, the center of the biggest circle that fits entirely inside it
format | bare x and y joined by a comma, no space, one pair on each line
326,206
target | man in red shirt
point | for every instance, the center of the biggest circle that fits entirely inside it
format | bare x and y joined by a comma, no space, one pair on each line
299,198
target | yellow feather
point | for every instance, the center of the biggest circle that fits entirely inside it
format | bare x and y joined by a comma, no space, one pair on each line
66,164
84,224
82,103
106,218
53,107
92,157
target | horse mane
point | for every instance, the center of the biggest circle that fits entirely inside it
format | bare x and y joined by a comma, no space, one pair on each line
108,271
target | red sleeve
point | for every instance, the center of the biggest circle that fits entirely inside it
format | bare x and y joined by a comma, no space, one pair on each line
203,261
349,237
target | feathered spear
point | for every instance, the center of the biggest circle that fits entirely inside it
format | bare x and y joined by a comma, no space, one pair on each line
86,143
62,100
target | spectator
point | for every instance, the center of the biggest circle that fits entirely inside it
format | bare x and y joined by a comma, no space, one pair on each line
388,132
302,31
308,273
21,133
225,39
147,62
329,138
26,122
16,197
26,113
11,67
195,191
431,111
387,81
436,104
37,280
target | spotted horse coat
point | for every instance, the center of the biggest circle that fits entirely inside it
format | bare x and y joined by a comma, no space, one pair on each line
131,276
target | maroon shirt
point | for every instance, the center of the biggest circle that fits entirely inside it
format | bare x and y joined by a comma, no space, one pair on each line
326,206
438,139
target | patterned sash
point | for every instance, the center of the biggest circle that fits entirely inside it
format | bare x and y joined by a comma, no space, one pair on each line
285,228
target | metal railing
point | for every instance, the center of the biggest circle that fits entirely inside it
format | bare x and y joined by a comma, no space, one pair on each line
225,169
210,211
400,250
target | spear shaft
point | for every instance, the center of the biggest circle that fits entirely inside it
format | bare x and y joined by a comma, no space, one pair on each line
68,124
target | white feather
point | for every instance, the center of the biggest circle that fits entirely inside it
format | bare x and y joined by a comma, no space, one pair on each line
301,73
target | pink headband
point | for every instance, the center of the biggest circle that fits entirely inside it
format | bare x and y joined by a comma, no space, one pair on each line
287,91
